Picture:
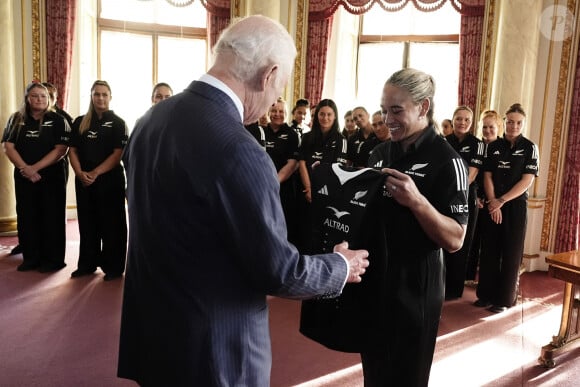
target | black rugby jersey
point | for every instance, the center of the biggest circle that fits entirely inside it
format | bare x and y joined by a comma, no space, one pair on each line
508,164
346,204
379,156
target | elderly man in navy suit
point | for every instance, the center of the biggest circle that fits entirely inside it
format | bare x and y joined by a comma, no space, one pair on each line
207,238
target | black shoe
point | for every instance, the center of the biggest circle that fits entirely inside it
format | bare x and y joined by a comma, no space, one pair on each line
481,303
497,308
112,276
50,267
16,250
27,266
82,272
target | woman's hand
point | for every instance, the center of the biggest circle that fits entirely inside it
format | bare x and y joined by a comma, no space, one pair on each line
495,204
30,173
308,194
86,178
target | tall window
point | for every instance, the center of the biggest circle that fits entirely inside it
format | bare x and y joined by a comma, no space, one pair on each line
389,41
141,43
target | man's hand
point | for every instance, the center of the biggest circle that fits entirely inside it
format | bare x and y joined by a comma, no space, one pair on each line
357,261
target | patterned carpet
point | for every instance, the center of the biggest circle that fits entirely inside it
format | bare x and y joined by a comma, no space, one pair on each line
55,331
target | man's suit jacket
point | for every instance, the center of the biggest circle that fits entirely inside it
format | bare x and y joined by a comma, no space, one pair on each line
207,242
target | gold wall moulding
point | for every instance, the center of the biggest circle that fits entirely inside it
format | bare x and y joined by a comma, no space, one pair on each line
550,211
35,19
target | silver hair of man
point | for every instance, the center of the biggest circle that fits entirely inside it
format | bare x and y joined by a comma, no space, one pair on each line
254,45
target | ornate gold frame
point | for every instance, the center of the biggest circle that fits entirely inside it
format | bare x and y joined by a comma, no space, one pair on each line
36,44
486,57
558,131
301,22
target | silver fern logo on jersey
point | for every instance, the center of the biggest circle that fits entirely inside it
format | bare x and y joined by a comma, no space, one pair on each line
357,198
413,170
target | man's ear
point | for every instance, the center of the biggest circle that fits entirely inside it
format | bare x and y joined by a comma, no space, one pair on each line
268,76
425,105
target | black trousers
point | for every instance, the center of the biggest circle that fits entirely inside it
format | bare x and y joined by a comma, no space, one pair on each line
102,223
501,255
416,288
41,216
476,242
456,263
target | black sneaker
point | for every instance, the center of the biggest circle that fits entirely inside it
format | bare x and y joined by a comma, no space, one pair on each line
16,250
112,276
82,272
497,308
481,303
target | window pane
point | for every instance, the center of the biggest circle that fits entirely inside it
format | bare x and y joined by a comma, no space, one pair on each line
126,63
376,63
440,60
410,21
155,11
181,61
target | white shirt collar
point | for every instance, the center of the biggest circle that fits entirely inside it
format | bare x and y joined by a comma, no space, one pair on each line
213,81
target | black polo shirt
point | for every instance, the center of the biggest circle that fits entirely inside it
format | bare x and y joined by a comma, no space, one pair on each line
440,174
258,132
34,139
508,163
102,137
471,149
281,145
360,148
315,147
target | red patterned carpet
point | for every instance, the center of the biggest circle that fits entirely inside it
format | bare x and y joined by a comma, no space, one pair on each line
55,331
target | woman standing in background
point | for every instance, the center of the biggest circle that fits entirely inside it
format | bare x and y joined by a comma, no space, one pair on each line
323,144
470,148
97,143
36,141
510,166
491,127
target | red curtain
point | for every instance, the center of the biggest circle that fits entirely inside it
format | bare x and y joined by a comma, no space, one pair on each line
568,228
60,21
218,18
320,22
318,38
470,40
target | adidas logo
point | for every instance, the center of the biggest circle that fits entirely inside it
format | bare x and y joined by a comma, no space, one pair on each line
323,190
378,164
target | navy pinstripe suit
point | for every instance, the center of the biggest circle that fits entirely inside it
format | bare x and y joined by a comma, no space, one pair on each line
207,242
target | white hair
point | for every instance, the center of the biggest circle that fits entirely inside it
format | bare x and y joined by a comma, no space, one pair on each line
254,43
